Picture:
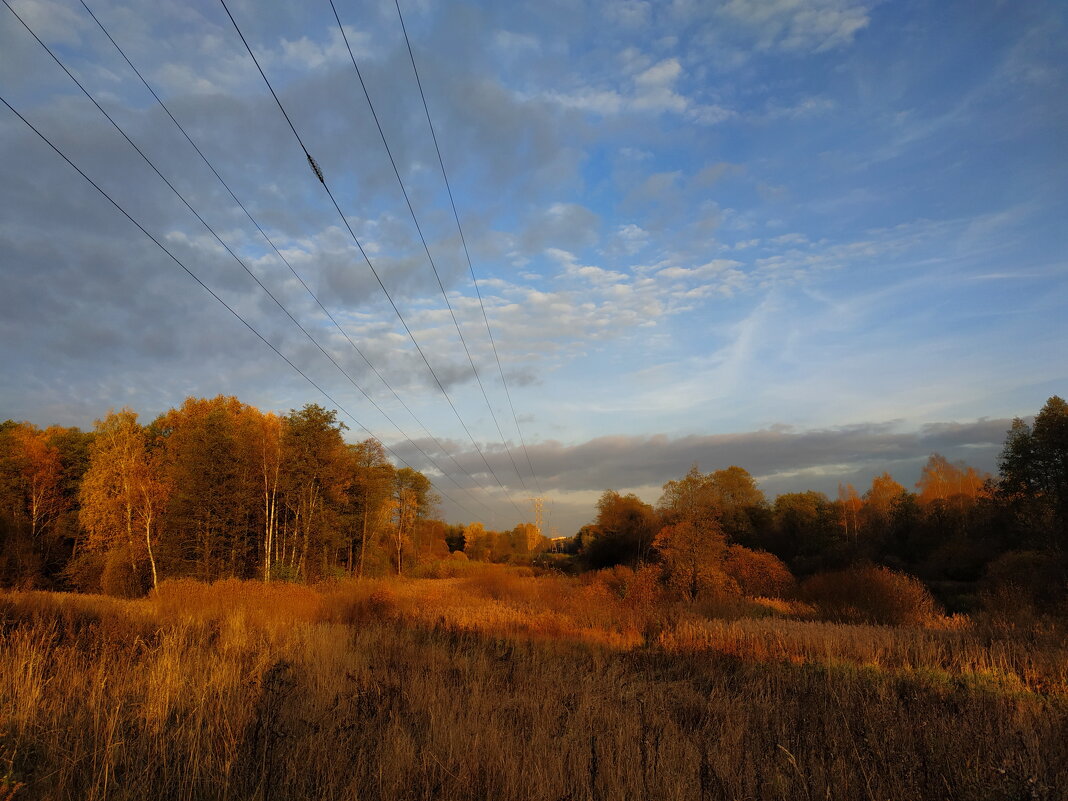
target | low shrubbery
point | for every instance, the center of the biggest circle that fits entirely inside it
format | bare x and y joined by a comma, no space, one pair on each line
758,573
870,594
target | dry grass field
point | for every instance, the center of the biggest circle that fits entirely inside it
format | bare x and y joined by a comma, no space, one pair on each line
494,685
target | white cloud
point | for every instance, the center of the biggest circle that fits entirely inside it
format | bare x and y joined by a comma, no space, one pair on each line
663,74
652,90
632,238
800,25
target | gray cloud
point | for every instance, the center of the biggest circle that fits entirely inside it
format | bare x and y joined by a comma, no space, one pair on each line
783,459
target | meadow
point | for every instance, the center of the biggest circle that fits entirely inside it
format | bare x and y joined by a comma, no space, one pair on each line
489,682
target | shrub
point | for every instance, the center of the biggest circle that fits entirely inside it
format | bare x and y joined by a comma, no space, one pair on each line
1025,583
84,570
448,568
1040,577
758,573
501,583
871,594
121,578
639,587
359,603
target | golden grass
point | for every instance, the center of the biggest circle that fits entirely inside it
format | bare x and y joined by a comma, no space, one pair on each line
503,686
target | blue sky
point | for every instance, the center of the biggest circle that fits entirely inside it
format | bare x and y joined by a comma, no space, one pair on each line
816,238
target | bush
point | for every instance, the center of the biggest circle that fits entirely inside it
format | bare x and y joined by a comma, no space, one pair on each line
121,578
640,588
1025,582
758,573
448,568
501,583
871,594
359,604
83,571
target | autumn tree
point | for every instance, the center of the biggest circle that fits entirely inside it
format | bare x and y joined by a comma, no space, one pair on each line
948,542
72,445
370,502
625,529
39,466
942,480
691,544
31,501
525,539
743,510
268,448
476,543
693,556
413,499
849,506
122,494
213,458
880,497
691,499
314,477
879,511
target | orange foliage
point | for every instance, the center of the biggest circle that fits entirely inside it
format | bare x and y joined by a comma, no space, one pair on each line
871,595
941,480
758,573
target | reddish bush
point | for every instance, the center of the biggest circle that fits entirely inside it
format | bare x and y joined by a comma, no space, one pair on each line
639,587
758,573
870,595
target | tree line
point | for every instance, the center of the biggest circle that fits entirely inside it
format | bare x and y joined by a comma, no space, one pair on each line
216,488
212,489
961,531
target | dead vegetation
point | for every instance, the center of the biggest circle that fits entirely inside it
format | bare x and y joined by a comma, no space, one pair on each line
496,684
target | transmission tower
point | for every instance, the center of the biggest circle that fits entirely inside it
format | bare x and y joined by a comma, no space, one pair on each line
538,502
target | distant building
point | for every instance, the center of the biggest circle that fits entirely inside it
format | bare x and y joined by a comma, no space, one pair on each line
558,544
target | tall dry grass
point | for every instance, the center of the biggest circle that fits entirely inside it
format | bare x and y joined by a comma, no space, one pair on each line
505,686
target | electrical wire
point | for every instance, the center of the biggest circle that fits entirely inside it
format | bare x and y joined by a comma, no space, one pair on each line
463,240
245,267
330,316
212,292
426,247
366,258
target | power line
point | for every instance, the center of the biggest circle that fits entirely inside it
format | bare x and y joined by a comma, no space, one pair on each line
467,253
426,247
302,282
367,259
213,232
212,292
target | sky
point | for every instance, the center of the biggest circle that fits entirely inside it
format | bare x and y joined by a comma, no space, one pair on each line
818,239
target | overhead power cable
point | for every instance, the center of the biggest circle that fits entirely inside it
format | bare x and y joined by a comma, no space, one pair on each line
426,247
463,240
211,230
367,259
212,292
297,275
